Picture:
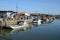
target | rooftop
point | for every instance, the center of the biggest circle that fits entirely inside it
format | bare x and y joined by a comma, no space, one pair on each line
21,13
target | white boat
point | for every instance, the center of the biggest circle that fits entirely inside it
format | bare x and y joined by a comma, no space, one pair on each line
36,20
19,26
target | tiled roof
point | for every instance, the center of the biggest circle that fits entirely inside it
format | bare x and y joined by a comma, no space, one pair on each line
21,12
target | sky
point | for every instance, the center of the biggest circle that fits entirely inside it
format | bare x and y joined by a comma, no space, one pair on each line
41,6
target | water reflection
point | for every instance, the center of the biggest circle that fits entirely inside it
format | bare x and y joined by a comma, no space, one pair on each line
3,34
6,34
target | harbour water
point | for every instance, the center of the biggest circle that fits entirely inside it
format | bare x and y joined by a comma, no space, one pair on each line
46,31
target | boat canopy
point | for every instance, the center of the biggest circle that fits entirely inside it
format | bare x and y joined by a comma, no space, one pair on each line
36,19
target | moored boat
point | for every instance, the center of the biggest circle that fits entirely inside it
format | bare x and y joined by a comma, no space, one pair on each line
18,26
36,20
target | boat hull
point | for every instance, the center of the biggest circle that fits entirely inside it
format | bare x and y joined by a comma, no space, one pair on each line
18,26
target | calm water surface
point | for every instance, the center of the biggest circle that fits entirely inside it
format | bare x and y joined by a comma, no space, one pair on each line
47,31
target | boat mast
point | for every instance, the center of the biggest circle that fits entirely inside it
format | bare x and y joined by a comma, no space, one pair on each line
16,7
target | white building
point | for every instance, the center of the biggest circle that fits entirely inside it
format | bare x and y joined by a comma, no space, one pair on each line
6,13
